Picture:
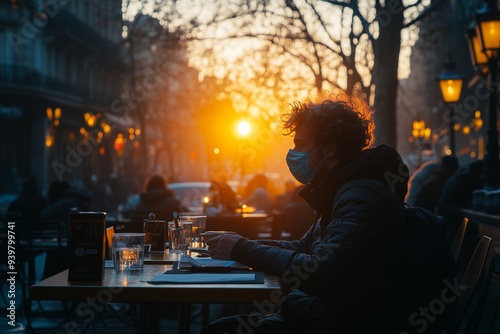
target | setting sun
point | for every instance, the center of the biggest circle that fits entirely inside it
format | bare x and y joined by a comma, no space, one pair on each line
243,128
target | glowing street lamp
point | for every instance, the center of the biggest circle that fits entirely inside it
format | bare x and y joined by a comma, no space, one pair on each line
475,48
488,30
450,84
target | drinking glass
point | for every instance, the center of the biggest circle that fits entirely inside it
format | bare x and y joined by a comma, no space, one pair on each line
199,226
128,251
178,237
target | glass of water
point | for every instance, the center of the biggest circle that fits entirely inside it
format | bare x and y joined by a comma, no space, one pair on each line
128,251
199,227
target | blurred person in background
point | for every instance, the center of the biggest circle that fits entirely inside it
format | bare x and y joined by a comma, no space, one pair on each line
103,195
157,199
64,198
286,197
257,195
30,201
456,195
299,216
418,179
428,197
226,195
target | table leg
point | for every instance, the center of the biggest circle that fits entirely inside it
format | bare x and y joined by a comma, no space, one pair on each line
184,318
149,320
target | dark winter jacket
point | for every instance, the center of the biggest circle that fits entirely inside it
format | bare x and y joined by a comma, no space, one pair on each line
28,206
349,272
78,199
161,202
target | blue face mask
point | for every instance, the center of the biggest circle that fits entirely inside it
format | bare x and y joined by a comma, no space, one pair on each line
297,163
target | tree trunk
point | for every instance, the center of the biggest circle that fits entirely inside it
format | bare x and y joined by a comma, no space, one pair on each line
385,73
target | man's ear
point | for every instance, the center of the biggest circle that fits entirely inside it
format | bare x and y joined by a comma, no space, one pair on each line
331,150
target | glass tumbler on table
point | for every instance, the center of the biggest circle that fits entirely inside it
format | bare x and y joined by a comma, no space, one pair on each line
179,236
199,224
128,251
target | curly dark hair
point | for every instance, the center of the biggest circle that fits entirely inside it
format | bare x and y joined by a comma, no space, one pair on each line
343,120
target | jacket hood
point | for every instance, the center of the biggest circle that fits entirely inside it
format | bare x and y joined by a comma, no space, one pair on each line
382,163
156,195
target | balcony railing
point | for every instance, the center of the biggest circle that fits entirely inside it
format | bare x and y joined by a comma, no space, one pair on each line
18,75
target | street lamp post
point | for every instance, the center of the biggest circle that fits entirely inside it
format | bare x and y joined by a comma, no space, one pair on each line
487,26
450,84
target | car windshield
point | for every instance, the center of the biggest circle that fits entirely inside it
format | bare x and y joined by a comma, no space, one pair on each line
191,194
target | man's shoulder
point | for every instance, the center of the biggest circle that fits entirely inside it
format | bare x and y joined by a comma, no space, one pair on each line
364,188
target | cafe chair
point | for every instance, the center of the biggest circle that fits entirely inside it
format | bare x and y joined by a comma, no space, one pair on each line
109,242
459,238
469,284
18,328
493,302
35,238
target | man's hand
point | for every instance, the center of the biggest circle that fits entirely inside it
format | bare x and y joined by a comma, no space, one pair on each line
221,245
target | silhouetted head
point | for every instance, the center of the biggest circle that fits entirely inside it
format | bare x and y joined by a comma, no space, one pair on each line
30,187
476,167
448,165
156,181
56,190
260,181
450,162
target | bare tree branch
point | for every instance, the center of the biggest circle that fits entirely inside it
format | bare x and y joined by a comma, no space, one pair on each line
426,12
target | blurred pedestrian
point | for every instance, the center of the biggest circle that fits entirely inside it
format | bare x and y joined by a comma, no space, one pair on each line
226,195
418,179
299,216
257,194
103,195
428,197
457,195
286,197
157,199
64,198
30,201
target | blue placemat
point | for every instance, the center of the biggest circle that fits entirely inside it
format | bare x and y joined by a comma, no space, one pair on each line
187,277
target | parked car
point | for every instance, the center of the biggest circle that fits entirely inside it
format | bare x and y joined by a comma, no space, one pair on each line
190,194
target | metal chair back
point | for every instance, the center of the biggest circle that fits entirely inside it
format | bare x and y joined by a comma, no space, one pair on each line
469,283
459,238
488,289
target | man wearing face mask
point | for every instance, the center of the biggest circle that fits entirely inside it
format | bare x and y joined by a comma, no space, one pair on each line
347,273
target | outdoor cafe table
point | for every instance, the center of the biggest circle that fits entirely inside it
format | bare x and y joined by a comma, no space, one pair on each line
133,286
